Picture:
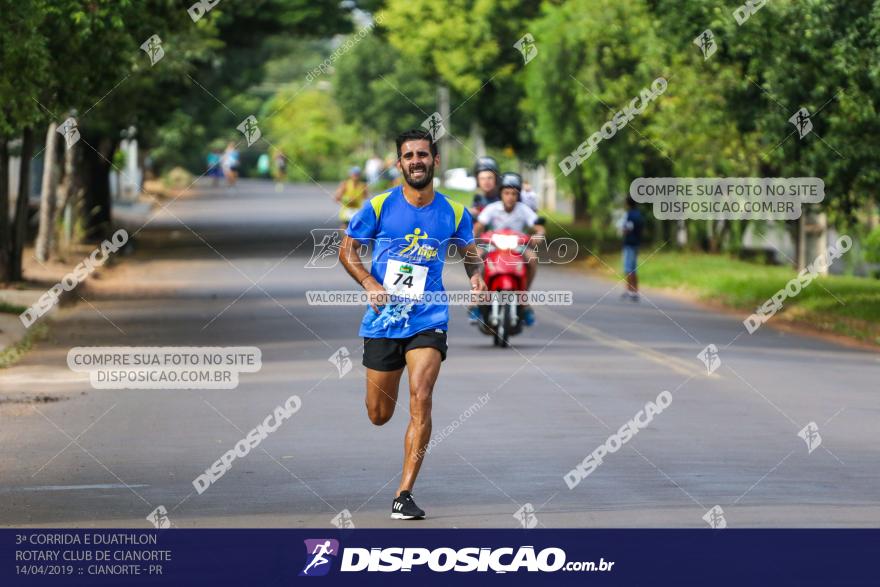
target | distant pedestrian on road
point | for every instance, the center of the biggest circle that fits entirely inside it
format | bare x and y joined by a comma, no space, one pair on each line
351,194
215,169
633,223
231,162
280,169
373,169
263,165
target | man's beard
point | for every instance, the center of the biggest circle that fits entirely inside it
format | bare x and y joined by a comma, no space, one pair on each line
423,180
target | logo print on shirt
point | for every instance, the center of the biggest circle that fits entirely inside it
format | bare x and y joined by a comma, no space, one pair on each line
392,314
426,252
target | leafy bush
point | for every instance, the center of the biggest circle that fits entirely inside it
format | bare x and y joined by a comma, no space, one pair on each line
872,246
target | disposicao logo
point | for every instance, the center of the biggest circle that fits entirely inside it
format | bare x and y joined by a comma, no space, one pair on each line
320,553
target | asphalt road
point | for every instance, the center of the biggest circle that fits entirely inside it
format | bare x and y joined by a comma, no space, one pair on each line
227,268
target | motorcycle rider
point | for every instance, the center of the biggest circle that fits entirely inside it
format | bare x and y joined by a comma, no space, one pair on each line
510,213
486,172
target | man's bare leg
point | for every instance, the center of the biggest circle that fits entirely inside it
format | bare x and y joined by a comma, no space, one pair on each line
382,394
423,365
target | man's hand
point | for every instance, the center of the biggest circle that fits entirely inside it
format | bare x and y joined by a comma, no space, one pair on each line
377,294
478,286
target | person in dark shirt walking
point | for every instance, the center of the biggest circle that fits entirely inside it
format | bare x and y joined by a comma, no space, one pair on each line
633,224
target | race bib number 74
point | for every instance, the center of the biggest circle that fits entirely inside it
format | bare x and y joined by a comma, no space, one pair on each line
405,279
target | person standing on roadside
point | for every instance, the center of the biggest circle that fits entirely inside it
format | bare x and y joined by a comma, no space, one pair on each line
633,224
280,170
231,162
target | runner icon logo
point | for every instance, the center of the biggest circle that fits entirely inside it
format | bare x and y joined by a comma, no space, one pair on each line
325,248
320,552
810,435
801,121
343,520
69,131
706,42
715,518
159,518
250,129
526,516
527,47
153,48
341,359
710,358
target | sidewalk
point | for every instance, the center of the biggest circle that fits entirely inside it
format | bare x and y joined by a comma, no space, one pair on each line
15,338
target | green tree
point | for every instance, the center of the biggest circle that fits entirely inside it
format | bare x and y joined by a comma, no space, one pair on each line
469,46
381,90
310,130
603,54
23,50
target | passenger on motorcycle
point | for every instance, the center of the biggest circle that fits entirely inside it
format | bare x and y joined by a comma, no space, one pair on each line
511,214
486,172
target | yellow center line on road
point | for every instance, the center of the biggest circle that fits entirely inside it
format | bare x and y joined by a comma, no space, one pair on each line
678,365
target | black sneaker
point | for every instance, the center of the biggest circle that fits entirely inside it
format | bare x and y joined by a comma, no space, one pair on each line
404,508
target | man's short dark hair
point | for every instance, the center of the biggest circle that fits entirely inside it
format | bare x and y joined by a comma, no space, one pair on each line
416,134
630,203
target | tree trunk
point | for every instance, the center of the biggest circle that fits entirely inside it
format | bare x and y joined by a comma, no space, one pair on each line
4,209
68,194
716,231
96,169
580,201
443,109
47,197
871,208
681,234
478,138
19,228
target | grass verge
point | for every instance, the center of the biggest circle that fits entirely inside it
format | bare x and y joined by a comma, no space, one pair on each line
13,353
7,308
838,304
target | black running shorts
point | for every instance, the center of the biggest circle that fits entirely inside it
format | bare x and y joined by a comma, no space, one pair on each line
389,354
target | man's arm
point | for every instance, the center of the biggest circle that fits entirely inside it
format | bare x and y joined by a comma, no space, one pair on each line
352,262
473,266
533,228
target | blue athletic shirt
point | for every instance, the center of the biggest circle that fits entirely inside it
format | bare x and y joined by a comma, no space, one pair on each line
410,239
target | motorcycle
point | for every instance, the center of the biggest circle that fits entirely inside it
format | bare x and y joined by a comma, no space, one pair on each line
505,271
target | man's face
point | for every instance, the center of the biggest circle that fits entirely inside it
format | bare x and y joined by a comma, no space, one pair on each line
509,196
486,181
416,163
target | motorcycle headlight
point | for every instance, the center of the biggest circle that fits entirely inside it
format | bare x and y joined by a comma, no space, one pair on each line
505,242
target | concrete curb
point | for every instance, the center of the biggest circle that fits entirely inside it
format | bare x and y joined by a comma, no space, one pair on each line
12,331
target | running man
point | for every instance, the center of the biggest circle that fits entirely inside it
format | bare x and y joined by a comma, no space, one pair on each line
410,228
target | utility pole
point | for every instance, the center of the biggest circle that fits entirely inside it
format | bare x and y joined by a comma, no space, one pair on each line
443,110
